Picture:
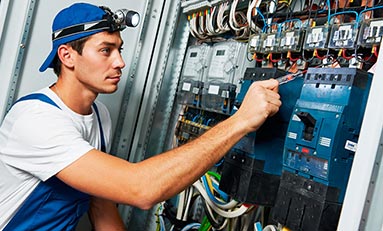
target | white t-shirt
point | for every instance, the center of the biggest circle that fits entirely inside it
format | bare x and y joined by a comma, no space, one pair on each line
37,140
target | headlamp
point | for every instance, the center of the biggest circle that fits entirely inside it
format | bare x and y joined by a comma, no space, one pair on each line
112,21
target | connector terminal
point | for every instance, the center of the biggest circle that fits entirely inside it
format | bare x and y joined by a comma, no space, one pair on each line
371,32
343,36
316,38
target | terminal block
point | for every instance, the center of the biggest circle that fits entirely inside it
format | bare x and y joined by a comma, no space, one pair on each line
316,38
255,43
291,40
271,43
343,36
371,32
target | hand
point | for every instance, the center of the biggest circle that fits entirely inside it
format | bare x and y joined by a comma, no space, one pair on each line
261,101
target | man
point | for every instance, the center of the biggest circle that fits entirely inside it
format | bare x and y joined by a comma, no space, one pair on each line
53,143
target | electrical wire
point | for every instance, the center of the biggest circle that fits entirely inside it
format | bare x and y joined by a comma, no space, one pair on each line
191,226
188,202
228,214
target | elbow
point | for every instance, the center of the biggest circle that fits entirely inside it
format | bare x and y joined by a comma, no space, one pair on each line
145,199
146,206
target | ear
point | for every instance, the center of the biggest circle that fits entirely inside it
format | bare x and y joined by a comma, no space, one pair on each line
65,54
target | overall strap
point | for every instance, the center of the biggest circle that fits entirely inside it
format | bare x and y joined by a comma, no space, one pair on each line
103,146
44,98
38,96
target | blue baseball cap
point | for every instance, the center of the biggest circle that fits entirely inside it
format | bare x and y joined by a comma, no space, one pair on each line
77,21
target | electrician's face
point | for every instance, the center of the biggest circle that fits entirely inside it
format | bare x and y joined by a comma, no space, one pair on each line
99,66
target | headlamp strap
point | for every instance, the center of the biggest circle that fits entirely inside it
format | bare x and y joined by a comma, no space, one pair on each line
103,24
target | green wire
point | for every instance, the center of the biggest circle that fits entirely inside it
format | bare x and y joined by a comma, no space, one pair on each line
205,225
216,175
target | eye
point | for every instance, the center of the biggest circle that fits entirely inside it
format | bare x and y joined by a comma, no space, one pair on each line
120,49
105,50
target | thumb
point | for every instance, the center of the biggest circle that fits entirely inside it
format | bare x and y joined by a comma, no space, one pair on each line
271,84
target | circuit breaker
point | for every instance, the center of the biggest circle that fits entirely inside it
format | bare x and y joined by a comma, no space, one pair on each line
319,148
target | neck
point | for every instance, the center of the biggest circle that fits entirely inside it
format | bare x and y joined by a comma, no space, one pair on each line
74,97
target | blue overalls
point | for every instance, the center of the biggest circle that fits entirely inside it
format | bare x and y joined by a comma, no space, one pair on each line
53,205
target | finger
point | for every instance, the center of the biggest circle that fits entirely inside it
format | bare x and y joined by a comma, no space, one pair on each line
273,94
271,84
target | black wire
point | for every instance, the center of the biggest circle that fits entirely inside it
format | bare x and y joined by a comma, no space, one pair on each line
210,218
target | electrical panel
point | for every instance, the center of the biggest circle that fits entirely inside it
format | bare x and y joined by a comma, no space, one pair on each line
228,63
295,167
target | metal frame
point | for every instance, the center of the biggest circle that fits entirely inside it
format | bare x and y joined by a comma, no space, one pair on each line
3,15
18,63
149,98
20,57
361,182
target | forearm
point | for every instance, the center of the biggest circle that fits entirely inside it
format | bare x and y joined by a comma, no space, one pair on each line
104,215
184,165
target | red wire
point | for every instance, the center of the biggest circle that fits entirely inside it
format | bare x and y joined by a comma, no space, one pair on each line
319,57
375,51
273,60
344,55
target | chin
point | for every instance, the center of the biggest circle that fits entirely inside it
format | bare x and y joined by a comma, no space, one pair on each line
109,90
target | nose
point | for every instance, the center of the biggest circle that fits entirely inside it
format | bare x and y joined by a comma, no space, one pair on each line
119,62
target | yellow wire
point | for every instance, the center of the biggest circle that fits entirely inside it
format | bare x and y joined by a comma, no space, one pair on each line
209,182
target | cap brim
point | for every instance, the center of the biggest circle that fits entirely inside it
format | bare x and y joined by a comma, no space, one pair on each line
49,60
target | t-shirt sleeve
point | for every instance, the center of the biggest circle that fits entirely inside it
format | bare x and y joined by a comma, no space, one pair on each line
43,142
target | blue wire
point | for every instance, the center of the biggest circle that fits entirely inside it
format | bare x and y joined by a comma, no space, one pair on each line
191,226
208,122
195,118
212,197
219,163
224,196
329,12
346,12
369,9
263,18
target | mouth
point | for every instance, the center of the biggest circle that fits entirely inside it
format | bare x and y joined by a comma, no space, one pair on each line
114,78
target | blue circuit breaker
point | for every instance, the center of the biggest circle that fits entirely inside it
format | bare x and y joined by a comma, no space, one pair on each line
320,145
252,169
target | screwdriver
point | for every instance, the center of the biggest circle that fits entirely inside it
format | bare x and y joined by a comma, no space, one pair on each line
289,77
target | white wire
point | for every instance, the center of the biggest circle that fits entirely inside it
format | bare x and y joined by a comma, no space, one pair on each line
181,204
188,202
228,214
270,228
213,217
221,17
232,20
